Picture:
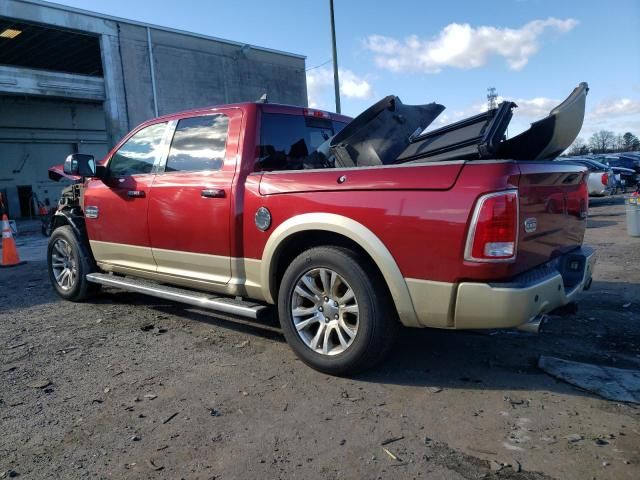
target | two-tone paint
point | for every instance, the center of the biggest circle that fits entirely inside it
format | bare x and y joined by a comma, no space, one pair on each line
412,220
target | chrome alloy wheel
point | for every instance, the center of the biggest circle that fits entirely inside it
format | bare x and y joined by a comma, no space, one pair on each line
325,311
65,269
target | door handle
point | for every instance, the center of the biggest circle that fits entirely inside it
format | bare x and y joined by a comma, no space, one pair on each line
212,193
136,194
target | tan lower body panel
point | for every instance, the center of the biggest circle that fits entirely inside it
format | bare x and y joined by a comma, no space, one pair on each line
197,266
129,256
212,273
433,302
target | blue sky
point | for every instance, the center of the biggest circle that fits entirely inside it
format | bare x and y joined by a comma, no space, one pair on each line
532,51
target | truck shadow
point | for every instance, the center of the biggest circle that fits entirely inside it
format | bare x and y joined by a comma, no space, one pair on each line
605,331
602,332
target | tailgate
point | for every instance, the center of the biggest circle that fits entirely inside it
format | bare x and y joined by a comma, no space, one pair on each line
553,211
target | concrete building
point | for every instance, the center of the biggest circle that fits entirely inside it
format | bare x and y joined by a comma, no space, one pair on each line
76,81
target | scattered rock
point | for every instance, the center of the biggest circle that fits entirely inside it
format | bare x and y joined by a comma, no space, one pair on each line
600,442
40,383
515,464
242,344
574,437
150,396
147,328
214,413
135,438
107,390
495,466
434,389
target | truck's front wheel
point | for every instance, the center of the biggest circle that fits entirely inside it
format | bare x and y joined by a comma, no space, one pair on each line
335,311
68,266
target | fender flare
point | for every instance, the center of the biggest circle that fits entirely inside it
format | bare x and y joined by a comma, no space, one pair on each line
77,223
355,231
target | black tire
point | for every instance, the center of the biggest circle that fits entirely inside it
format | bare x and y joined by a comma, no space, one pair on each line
377,319
79,289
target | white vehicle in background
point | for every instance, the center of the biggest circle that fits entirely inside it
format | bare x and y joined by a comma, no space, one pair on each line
601,181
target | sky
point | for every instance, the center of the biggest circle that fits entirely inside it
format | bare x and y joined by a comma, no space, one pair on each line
532,51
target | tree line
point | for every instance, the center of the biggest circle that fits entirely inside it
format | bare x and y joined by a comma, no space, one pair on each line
605,141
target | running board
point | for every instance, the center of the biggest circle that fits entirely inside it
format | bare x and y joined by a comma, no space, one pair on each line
226,305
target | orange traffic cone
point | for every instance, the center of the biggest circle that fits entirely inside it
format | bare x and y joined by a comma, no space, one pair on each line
10,256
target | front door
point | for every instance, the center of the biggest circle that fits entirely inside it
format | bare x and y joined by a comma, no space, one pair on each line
116,207
190,201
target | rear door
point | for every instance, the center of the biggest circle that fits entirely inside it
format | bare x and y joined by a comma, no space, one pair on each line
116,207
190,201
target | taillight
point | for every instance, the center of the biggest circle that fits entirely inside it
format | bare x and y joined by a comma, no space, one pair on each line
605,179
493,234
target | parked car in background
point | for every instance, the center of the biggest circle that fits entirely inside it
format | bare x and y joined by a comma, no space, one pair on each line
601,180
627,161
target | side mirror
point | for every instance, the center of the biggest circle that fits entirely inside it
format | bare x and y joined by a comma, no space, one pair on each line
80,164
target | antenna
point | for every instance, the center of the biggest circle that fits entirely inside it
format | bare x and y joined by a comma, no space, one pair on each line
492,98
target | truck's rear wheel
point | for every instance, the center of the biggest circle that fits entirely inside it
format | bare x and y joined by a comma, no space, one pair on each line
68,266
335,311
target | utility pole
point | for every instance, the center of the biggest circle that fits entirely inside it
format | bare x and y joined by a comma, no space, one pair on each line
336,80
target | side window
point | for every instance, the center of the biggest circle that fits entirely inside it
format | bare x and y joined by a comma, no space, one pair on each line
199,143
139,153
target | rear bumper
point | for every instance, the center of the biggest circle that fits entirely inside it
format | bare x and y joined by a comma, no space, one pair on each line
511,304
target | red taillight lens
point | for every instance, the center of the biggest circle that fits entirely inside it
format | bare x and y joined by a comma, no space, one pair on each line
493,234
605,179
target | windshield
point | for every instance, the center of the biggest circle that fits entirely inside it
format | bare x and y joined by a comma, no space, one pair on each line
288,141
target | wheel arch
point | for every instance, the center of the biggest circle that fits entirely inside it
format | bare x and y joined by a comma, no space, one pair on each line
76,221
338,230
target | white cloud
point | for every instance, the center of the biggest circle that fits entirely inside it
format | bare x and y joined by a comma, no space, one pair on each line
320,86
463,46
615,108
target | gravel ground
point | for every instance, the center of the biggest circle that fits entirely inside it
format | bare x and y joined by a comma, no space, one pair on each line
133,387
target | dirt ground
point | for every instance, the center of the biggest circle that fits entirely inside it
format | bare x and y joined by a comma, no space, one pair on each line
133,387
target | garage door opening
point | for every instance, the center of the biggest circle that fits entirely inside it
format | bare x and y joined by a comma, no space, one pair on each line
38,133
45,48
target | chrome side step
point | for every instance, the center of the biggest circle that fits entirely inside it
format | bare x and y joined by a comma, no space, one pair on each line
226,305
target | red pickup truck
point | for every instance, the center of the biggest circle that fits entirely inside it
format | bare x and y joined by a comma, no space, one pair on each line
243,207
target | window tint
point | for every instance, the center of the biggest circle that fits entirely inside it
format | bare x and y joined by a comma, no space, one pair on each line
286,141
199,143
139,153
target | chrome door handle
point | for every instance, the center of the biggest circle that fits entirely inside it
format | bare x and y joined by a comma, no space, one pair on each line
136,194
212,193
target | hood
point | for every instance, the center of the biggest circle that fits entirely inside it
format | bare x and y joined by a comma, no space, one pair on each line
57,172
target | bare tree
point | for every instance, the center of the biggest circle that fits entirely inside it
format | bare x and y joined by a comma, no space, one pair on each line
578,147
630,142
602,141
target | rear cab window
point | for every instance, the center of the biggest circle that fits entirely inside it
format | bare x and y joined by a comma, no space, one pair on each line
287,142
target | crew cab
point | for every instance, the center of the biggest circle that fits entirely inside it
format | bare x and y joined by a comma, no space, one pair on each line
346,228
